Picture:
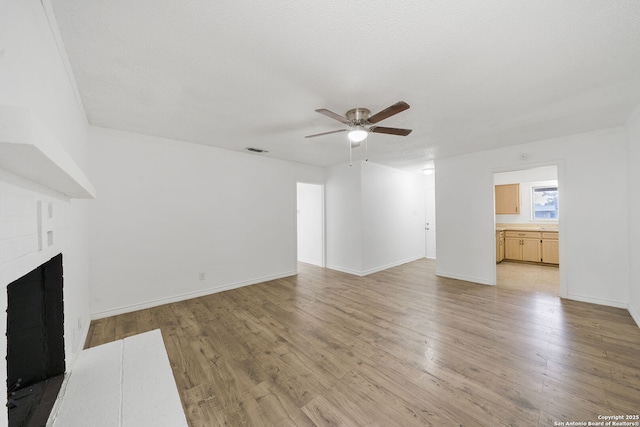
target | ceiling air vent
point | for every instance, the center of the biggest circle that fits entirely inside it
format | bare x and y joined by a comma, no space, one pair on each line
256,150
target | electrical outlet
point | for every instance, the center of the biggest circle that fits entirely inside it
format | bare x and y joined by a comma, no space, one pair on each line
201,276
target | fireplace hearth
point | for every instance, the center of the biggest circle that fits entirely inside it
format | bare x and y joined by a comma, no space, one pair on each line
35,344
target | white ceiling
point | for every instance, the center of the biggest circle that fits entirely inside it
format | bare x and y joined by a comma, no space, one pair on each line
234,73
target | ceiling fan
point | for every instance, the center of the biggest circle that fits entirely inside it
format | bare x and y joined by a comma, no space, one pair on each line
360,120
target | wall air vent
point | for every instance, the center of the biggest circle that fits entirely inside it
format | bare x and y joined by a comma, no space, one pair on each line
256,150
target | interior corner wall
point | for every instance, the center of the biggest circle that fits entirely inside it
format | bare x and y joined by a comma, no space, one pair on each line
590,262
343,218
177,220
33,76
393,217
374,217
633,136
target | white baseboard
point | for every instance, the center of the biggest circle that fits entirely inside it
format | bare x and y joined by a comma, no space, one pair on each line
186,296
344,270
599,301
310,261
391,265
635,315
372,270
463,278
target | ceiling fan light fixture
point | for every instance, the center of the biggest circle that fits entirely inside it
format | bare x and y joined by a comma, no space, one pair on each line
358,134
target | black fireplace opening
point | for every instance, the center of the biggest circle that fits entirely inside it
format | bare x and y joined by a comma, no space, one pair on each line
35,344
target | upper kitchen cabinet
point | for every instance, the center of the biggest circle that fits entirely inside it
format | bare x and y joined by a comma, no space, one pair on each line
507,199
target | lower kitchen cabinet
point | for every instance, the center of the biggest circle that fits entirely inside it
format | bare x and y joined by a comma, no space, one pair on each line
550,250
532,246
522,245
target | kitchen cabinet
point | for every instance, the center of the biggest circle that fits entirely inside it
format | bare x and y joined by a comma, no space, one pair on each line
499,246
507,198
550,251
522,246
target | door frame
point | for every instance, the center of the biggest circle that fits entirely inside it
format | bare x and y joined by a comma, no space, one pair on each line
323,254
562,217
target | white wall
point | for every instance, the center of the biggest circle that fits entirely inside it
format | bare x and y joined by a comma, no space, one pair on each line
343,218
170,210
592,174
311,224
33,76
375,217
528,178
393,217
633,133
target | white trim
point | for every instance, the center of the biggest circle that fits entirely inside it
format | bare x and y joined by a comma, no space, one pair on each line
560,165
635,315
536,186
186,296
391,265
307,261
375,269
344,270
323,261
464,278
599,301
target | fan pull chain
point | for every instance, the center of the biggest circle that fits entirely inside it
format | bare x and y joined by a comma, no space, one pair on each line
366,149
350,156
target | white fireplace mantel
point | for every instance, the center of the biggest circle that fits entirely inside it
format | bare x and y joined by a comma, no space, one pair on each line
29,150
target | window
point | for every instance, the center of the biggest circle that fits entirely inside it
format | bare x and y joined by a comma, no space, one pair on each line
545,203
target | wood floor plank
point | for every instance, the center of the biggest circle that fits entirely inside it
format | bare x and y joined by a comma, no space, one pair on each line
277,408
400,347
126,325
102,331
325,414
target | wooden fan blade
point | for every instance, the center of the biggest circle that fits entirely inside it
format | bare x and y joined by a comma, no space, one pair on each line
334,116
388,112
390,131
325,133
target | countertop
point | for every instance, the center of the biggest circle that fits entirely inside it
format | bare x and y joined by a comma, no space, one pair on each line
518,227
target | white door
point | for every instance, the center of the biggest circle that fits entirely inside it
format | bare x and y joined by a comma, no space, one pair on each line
430,223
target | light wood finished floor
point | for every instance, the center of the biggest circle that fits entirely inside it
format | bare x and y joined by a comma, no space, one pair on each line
396,348
531,277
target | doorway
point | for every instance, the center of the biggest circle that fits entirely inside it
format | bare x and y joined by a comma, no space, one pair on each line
527,229
310,223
